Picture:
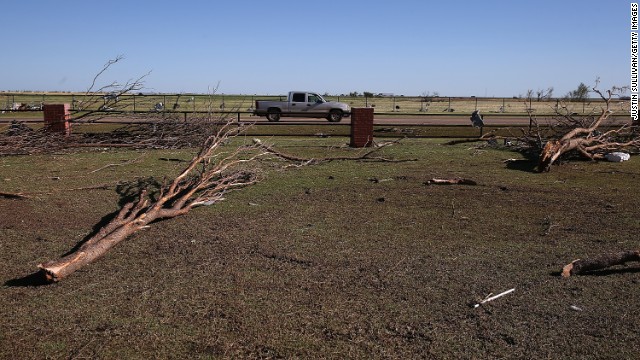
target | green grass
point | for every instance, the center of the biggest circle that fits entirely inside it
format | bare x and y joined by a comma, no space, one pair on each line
339,260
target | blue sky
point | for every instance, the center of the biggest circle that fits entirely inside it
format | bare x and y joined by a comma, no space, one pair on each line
455,48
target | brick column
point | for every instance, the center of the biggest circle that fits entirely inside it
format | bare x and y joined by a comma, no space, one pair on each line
361,127
56,118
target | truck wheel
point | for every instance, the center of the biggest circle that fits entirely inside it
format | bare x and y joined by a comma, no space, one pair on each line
335,115
273,115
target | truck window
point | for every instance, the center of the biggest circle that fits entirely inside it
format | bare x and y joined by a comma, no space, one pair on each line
313,98
298,97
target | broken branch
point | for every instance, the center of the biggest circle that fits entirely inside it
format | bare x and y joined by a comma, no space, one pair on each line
581,266
112,165
454,181
13,195
491,298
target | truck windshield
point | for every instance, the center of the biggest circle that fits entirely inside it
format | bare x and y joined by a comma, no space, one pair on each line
315,98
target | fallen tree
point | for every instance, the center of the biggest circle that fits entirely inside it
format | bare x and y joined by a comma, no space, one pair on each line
210,174
570,135
587,140
215,170
582,266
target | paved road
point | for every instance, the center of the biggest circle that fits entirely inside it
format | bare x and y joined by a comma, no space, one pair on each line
489,120
418,120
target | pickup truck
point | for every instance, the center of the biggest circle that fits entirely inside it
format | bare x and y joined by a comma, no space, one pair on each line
302,104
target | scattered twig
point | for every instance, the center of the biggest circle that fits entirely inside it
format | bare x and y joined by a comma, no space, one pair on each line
172,159
491,135
491,298
121,164
13,195
366,156
453,181
94,187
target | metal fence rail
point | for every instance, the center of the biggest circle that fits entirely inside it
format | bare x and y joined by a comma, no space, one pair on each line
409,105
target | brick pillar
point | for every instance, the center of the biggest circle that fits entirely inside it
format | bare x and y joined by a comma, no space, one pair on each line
361,127
56,118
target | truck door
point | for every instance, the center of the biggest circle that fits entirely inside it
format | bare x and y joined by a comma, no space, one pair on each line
314,104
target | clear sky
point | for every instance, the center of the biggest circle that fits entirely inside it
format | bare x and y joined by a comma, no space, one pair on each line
455,48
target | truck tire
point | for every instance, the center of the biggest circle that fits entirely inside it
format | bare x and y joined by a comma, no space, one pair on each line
273,114
335,115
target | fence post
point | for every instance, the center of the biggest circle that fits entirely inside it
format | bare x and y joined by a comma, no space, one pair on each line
361,127
56,118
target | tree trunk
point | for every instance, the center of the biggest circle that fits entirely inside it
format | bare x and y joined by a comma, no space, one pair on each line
551,151
579,266
90,251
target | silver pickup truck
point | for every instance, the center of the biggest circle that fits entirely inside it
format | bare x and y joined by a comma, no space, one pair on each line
302,104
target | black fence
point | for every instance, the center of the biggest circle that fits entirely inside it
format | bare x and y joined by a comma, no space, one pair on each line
410,105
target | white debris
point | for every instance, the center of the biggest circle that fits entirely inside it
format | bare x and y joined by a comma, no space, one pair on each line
617,156
494,297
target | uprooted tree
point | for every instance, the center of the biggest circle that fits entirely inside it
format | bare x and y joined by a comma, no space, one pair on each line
210,174
571,135
215,170
589,137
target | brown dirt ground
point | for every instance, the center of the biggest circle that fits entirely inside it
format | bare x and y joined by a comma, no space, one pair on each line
338,261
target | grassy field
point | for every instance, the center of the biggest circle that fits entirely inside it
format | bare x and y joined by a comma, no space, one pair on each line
397,104
340,260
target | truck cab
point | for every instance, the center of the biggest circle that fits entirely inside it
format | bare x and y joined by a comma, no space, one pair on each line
302,104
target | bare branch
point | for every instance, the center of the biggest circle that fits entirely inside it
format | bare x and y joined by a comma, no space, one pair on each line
9,195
